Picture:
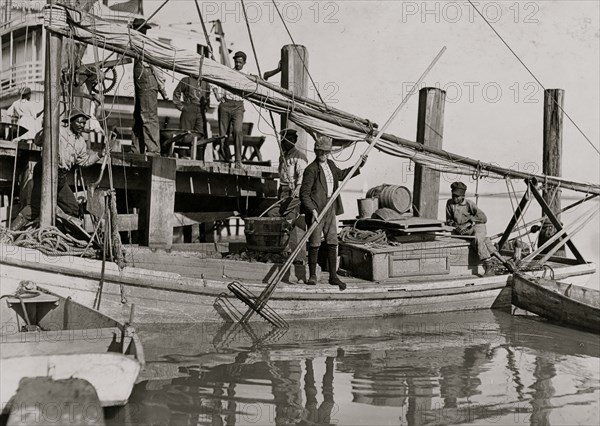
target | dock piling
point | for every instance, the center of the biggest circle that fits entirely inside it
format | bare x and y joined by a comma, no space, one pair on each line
430,129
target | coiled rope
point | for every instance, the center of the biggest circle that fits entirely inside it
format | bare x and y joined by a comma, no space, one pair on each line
357,236
49,240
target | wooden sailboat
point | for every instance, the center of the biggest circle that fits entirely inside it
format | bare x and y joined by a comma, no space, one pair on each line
46,335
180,287
558,301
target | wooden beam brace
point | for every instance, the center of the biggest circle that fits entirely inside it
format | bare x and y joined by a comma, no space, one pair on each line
559,244
161,202
513,221
130,222
548,212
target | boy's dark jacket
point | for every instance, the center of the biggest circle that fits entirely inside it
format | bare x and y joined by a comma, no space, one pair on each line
313,192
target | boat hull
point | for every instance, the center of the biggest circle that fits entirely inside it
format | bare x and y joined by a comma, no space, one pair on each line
161,297
552,300
100,370
45,335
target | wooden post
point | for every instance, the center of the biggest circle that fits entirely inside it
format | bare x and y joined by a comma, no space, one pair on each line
430,129
294,77
51,128
551,158
161,202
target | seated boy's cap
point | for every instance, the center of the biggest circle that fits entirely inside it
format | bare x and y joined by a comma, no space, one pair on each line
288,133
240,54
458,188
25,91
324,143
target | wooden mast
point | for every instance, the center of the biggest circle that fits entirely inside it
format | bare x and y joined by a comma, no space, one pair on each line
552,158
51,127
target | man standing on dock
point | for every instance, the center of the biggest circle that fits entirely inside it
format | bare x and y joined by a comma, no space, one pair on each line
320,181
468,219
231,117
196,99
148,81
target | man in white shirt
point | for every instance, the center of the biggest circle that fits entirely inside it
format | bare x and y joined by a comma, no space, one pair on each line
24,113
292,163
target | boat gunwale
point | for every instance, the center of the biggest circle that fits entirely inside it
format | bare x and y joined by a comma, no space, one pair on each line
159,280
534,282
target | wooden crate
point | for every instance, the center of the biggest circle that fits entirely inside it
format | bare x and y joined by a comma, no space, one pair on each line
403,260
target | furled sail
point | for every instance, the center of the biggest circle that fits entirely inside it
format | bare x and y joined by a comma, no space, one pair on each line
309,114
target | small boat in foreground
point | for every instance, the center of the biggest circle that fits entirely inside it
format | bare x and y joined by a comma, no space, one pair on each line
45,335
557,301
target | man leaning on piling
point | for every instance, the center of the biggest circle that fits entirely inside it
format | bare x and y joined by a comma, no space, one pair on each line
72,151
321,179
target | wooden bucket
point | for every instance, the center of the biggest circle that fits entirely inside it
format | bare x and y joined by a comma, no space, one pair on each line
266,234
367,206
394,197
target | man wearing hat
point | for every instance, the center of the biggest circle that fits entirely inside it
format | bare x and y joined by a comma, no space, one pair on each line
72,151
192,98
231,116
468,219
320,180
148,80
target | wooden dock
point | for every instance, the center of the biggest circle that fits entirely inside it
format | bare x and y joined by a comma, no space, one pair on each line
162,192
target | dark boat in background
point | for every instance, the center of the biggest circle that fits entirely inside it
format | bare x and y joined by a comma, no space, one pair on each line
566,303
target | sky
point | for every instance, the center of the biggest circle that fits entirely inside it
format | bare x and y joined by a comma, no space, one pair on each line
364,55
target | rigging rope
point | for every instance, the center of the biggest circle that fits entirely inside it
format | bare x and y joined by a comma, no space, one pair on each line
533,75
310,116
260,73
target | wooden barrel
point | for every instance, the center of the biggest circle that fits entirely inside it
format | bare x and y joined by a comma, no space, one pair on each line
266,234
367,206
395,197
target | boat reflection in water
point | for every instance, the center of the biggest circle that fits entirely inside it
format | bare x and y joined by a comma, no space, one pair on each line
455,368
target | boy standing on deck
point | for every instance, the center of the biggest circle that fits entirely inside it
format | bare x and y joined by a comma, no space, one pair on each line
321,179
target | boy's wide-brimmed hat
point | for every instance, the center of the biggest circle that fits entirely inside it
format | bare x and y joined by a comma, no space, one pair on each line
458,188
324,143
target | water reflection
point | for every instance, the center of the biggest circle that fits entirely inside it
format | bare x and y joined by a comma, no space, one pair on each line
427,369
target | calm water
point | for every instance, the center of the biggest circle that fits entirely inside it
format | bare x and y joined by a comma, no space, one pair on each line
482,367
